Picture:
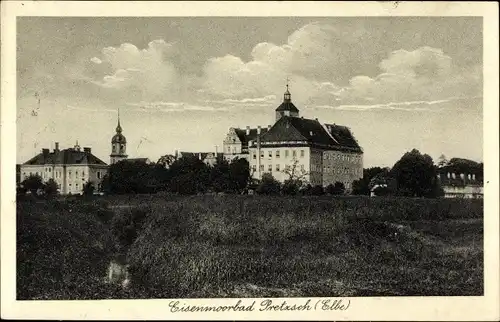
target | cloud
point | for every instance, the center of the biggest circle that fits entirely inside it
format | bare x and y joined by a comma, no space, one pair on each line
160,106
96,60
147,71
424,74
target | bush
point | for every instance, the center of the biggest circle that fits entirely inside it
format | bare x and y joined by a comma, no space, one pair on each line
317,190
88,188
291,187
268,185
336,189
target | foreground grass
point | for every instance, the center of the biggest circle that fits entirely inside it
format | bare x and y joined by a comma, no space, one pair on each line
254,246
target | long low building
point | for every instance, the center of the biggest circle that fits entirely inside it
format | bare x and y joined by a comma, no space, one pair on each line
70,168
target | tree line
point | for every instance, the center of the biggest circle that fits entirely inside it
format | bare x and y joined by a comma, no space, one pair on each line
414,175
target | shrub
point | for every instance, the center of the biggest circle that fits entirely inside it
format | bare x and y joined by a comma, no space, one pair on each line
268,185
317,190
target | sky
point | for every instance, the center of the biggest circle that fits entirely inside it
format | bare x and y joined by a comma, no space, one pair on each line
180,83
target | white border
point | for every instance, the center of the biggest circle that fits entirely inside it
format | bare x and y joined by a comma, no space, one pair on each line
374,308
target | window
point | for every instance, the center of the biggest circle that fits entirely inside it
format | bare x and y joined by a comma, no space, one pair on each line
254,155
270,168
294,153
287,167
277,167
76,186
261,154
302,153
228,149
277,154
76,173
254,167
50,170
98,175
302,167
270,154
114,148
69,174
261,168
83,173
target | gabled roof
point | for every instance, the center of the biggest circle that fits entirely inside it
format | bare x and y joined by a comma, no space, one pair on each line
252,136
145,160
312,132
66,156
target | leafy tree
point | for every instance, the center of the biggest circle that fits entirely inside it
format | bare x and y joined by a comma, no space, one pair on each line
337,188
166,160
88,188
189,175
239,172
442,161
268,185
33,183
50,188
220,177
134,177
415,175
362,186
295,173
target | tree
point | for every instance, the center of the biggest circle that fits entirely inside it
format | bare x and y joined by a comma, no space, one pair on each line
50,188
88,188
442,161
166,160
239,172
220,179
415,175
33,183
362,186
337,188
296,178
268,185
188,175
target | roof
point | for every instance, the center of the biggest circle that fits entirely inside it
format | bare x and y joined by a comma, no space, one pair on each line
204,155
251,136
145,160
66,156
312,133
287,106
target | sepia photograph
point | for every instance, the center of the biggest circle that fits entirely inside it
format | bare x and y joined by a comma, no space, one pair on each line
242,157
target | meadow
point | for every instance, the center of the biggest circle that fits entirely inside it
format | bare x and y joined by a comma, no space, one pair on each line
249,246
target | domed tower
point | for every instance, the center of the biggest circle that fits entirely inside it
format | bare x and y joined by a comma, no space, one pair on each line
118,145
287,108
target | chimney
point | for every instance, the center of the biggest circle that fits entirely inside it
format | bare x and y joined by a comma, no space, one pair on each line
258,129
248,130
311,133
268,127
45,153
56,149
199,155
87,150
316,119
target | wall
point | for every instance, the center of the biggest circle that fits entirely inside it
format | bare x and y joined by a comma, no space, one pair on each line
468,191
339,166
270,162
69,178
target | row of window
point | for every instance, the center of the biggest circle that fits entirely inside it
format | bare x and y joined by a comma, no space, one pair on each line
277,167
57,174
277,154
343,157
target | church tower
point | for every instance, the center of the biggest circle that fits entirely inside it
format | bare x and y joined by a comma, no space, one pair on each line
287,108
118,145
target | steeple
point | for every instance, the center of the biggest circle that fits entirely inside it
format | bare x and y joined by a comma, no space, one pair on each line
287,98
119,128
287,108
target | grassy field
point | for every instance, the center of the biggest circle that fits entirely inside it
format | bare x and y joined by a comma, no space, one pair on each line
250,246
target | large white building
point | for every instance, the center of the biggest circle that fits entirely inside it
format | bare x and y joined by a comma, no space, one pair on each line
70,168
298,148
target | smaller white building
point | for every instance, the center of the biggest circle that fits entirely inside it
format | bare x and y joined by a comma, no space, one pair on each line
70,168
